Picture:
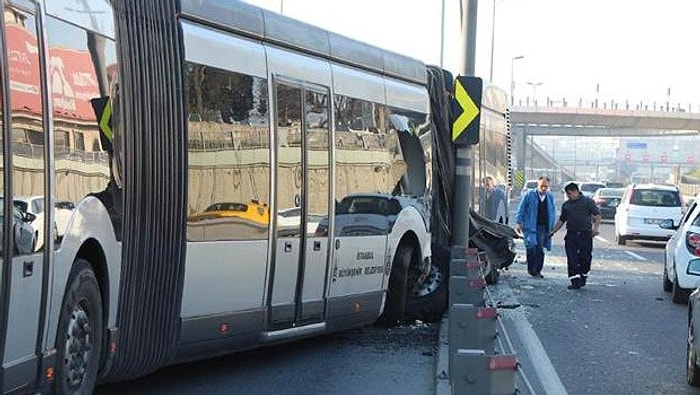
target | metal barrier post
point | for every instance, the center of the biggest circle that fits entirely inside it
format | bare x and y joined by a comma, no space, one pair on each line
470,327
473,327
464,290
478,373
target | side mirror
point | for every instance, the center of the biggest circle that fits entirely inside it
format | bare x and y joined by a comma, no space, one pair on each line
667,224
29,217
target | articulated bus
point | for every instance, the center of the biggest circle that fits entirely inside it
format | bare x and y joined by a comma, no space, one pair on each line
492,156
207,177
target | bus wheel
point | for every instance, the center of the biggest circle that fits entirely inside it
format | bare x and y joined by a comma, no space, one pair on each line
395,306
428,301
79,338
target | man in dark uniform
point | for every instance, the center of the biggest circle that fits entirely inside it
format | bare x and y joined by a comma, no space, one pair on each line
582,219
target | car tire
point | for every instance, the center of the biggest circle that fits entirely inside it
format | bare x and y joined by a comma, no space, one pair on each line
395,304
621,240
679,295
492,274
667,284
692,369
80,333
431,306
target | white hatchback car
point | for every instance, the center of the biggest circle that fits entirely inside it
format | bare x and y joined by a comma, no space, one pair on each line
682,255
642,208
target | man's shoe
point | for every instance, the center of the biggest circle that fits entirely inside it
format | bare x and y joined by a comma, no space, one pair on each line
583,281
539,275
572,286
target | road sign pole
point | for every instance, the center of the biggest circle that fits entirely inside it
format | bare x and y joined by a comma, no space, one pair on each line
460,215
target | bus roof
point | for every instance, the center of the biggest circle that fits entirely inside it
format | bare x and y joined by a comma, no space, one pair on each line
271,27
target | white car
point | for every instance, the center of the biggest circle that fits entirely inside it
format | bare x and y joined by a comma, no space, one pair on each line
682,255
35,205
642,208
589,188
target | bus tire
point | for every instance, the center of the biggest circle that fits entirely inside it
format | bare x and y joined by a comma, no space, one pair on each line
428,304
79,337
395,305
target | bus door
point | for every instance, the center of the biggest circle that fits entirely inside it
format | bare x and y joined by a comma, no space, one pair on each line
22,188
302,196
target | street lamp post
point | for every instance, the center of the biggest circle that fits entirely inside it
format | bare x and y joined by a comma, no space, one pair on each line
534,86
493,38
512,81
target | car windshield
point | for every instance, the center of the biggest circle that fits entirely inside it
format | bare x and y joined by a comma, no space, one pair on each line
589,187
227,207
20,204
614,185
531,185
655,198
609,192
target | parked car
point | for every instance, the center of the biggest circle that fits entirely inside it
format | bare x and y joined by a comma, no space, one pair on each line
35,205
681,272
693,347
24,233
589,188
642,208
614,184
607,200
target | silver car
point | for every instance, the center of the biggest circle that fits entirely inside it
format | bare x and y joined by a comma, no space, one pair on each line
24,234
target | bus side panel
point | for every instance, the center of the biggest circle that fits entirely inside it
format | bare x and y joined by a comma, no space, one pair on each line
224,276
228,197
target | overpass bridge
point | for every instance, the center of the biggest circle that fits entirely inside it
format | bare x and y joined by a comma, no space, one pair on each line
527,121
571,121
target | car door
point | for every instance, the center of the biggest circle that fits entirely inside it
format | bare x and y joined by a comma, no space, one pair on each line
678,239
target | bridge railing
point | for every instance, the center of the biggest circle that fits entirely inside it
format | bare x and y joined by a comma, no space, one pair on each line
628,105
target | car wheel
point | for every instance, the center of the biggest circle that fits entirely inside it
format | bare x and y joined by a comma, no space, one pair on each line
79,337
427,301
621,240
679,295
395,305
667,284
693,372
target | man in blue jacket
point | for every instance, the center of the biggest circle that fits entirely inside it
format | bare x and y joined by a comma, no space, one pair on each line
534,221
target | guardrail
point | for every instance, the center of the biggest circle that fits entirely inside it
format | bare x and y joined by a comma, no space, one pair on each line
662,106
481,355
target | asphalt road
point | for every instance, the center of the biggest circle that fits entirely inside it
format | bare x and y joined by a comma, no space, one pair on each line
621,334
370,360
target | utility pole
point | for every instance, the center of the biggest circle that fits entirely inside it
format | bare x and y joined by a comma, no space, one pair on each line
463,153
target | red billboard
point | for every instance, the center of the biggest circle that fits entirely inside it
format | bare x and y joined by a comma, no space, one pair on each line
72,78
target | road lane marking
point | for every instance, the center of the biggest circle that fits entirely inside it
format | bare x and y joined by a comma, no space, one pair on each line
601,239
541,363
633,255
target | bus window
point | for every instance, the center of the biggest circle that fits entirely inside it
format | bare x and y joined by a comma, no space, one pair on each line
26,117
229,154
82,66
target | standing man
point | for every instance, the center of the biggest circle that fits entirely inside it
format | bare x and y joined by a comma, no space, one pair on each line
534,220
492,199
578,212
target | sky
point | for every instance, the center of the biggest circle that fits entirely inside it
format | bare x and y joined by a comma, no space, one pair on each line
619,50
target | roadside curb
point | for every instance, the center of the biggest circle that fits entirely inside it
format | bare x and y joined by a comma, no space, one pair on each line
442,379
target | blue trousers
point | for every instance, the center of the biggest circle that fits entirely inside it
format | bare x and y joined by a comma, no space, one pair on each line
535,253
579,246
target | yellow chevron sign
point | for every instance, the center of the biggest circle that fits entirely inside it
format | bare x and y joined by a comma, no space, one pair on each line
467,111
